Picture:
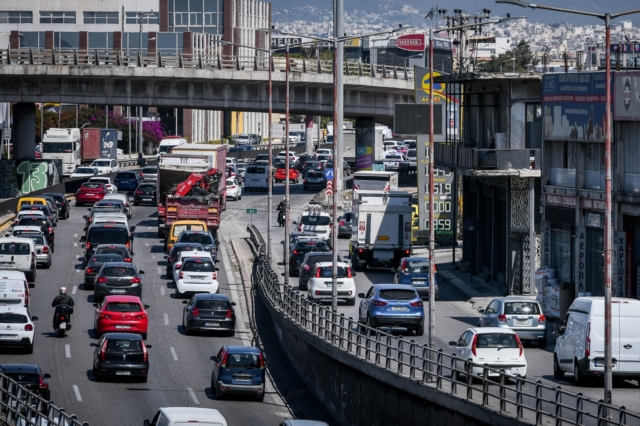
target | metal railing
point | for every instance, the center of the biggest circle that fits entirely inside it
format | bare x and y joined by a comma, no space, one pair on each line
25,408
124,58
513,397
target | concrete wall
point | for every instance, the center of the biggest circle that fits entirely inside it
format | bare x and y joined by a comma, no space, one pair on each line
23,177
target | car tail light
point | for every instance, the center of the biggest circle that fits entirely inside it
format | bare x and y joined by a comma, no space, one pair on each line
416,303
139,192
135,280
587,345
63,318
127,259
261,360
105,316
50,230
170,259
349,273
142,175
232,186
178,265
88,245
300,227
145,354
195,312
317,273
519,344
342,222
90,271
474,345
181,275
102,280
306,267
103,350
33,257
304,180
407,252
141,316
42,385
128,244
360,251
542,318
45,250
379,303
224,360
229,313
214,275
28,327
296,252
502,318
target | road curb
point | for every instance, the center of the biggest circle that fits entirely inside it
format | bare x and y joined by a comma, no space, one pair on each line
7,223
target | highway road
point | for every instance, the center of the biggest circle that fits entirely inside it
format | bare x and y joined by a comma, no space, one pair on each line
180,365
454,313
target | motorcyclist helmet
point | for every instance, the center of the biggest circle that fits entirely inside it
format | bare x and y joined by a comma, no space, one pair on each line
63,290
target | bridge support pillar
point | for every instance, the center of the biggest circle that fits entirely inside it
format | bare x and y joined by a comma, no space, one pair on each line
308,127
365,143
24,131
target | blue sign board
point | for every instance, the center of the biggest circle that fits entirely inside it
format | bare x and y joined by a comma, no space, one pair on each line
573,106
328,173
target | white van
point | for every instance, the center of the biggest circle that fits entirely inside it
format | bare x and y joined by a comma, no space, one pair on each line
168,143
18,254
181,416
14,288
580,345
256,177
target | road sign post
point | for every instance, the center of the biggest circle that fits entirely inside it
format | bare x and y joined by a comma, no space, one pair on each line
251,212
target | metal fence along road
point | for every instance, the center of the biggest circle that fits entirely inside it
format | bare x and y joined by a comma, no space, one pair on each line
514,397
199,61
22,407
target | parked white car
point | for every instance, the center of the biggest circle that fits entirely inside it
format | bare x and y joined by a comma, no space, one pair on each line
321,284
111,188
106,166
498,348
17,327
195,272
234,190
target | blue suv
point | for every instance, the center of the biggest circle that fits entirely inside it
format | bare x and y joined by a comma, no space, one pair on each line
239,370
392,305
127,181
414,271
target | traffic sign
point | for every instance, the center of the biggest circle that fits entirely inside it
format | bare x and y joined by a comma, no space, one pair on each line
252,211
6,132
328,173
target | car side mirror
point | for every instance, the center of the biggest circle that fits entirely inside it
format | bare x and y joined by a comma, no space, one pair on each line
184,302
481,310
361,295
452,343
394,270
82,245
34,318
217,269
147,423
141,272
84,217
47,375
82,239
133,228
7,234
166,256
95,345
149,346
147,306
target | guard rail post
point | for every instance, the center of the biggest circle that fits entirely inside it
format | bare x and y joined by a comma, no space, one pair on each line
600,410
538,401
503,392
350,335
400,346
387,352
377,350
519,399
454,375
412,359
485,386
579,408
558,401
439,369
469,377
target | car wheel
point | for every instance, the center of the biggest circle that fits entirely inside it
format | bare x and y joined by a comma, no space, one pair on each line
78,204
578,377
370,323
48,264
351,302
177,293
420,330
218,392
143,379
260,397
29,349
542,343
557,371
232,333
240,197
96,375
160,234
302,287
135,203
144,336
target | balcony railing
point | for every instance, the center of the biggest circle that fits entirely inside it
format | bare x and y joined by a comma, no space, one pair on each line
563,177
632,183
594,180
487,159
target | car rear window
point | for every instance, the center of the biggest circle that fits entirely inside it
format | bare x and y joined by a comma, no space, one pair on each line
118,271
12,318
103,258
126,176
314,174
150,170
147,188
122,252
123,307
394,157
37,239
323,258
416,266
177,229
91,185
524,308
496,340
411,153
310,245
124,346
193,247
214,305
25,378
15,248
315,220
256,170
197,266
33,221
397,294
203,239
108,235
243,360
327,272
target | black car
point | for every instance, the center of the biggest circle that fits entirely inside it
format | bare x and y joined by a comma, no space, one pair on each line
119,249
201,237
310,165
30,376
314,179
44,209
308,263
43,223
209,312
145,193
127,181
299,250
105,234
300,235
63,205
94,265
303,159
174,254
121,278
121,355
239,370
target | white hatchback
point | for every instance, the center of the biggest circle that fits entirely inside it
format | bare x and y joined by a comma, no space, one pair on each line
498,348
316,221
195,272
17,327
111,188
234,190
321,284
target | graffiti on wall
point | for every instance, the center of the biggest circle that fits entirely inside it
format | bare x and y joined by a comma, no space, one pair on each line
25,176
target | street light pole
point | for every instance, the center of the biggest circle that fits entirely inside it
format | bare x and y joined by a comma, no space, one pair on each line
269,180
432,257
286,173
608,241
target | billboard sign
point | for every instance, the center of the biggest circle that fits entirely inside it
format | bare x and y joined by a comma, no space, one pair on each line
574,106
423,86
411,42
626,90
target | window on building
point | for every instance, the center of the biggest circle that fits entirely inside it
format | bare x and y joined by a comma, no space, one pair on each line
561,256
147,17
57,17
594,178
19,17
562,163
101,18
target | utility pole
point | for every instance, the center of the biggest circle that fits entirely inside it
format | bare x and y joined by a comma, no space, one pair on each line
286,173
270,180
432,257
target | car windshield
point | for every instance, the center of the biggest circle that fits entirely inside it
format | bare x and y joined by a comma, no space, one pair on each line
398,294
411,153
394,157
56,147
14,248
25,378
123,307
91,185
243,361
37,238
214,305
324,258
103,258
496,340
101,180
327,272
204,239
85,170
416,266
118,271
108,235
101,163
197,266
124,346
12,318
521,308
313,220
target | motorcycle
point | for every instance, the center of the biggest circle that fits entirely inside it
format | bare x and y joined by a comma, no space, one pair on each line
281,218
62,321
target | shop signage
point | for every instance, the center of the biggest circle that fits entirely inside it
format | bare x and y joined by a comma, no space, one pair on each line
581,267
411,42
546,245
593,220
561,200
592,204
620,263
626,100
629,262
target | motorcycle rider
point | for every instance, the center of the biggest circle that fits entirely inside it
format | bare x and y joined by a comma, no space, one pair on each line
61,299
281,209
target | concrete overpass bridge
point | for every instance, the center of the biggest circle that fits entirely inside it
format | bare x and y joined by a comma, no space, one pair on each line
213,82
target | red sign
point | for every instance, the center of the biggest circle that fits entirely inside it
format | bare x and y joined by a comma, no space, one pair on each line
411,42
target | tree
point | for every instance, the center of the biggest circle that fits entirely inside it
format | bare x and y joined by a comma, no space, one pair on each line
524,60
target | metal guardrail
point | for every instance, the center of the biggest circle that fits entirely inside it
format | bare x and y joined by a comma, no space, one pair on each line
528,401
22,407
123,58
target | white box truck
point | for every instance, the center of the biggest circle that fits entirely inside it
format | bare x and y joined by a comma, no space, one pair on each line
383,233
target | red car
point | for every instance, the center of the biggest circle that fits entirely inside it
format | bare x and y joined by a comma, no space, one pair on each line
294,175
90,192
121,314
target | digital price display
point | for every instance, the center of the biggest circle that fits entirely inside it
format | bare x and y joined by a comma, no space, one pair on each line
443,204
